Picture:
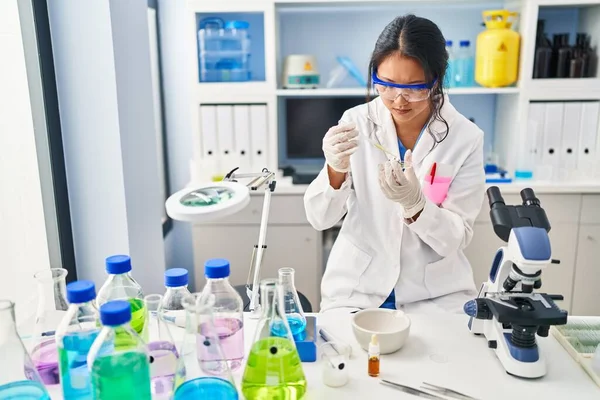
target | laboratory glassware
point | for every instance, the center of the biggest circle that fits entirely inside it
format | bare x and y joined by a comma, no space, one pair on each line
543,53
161,348
74,337
120,285
19,378
228,311
291,305
52,307
273,369
118,358
464,64
171,310
449,76
202,371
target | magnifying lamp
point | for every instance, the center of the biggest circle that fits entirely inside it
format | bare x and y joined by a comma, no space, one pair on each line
217,200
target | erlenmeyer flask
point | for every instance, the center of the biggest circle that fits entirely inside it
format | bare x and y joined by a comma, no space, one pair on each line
52,307
203,371
161,348
18,376
291,305
273,369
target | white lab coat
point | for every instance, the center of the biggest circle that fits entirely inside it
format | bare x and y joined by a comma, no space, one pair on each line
377,250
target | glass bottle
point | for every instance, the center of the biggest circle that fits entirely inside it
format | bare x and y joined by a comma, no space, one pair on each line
118,358
172,311
449,76
291,305
161,348
74,337
120,285
18,376
464,71
202,371
52,307
273,369
228,311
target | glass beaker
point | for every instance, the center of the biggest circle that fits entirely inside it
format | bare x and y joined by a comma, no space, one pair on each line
291,305
273,369
161,349
202,357
52,307
334,362
18,377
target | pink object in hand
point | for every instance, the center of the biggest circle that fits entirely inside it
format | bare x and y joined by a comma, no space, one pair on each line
437,191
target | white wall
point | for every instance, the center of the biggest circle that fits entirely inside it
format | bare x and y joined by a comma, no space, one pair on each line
23,245
102,60
176,92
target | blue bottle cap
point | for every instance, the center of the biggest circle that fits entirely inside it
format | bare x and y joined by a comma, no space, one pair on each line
448,42
176,277
216,268
81,292
118,264
115,313
464,43
237,25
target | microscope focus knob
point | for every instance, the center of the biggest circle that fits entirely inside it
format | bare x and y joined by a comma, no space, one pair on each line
477,308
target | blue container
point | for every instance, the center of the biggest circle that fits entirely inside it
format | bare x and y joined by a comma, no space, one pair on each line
224,50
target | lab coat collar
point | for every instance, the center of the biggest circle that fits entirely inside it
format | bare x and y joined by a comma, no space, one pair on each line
386,131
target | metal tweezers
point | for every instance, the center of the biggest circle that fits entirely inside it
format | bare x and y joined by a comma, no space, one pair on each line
411,390
446,392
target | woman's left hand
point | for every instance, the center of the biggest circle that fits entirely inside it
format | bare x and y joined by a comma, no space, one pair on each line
403,187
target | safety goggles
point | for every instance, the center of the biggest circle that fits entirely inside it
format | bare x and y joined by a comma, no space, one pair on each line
410,93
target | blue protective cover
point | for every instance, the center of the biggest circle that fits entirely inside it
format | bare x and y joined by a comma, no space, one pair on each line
352,70
307,344
533,242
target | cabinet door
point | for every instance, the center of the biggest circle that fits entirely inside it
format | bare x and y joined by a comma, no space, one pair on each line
296,246
586,295
556,279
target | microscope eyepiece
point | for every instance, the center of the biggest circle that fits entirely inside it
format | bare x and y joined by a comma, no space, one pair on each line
529,198
495,197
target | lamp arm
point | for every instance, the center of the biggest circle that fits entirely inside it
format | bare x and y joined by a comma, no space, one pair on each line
262,236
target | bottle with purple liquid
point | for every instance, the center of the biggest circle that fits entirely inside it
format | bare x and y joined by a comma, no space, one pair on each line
52,308
227,312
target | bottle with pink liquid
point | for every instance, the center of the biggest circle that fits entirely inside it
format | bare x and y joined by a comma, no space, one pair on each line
228,314
52,307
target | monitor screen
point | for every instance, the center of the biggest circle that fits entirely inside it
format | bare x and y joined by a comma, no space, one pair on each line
307,121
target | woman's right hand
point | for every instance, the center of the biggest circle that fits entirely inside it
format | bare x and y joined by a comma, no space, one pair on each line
338,145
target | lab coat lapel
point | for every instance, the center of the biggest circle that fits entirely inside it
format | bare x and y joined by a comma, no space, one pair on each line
435,128
386,131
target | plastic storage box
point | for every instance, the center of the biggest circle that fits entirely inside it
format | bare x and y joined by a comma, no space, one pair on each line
224,50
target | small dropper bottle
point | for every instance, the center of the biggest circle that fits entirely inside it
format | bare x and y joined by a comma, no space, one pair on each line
374,356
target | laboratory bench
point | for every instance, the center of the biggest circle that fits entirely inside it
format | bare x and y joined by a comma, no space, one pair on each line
439,350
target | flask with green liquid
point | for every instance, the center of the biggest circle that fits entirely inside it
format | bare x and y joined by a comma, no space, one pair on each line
118,359
120,285
273,369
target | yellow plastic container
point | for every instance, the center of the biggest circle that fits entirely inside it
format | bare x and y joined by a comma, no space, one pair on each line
497,52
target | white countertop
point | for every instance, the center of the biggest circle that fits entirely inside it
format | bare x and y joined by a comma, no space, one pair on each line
440,350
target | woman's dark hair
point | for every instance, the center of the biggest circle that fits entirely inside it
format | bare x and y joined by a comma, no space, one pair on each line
422,40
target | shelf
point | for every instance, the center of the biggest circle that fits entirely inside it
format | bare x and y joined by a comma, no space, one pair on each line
232,92
357,92
563,89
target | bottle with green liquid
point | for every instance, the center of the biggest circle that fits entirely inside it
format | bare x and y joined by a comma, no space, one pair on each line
120,285
118,359
273,369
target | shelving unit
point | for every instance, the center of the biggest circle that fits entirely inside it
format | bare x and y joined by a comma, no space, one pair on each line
350,27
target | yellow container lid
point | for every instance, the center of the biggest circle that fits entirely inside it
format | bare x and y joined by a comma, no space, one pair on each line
498,19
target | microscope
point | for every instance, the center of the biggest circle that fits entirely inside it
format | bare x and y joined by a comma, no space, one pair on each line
507,311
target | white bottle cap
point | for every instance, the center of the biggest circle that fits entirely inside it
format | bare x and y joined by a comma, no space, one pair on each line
374,345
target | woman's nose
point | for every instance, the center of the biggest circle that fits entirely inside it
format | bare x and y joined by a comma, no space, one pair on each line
400,100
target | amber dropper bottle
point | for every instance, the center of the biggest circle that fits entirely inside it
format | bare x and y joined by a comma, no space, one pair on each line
373,356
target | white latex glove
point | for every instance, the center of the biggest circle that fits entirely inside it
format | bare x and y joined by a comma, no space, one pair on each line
403,187
339,144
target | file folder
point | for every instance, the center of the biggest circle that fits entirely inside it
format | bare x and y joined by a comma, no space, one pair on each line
537,115
226,151
569,140
588,144
208,126
258,137
552,139
241,130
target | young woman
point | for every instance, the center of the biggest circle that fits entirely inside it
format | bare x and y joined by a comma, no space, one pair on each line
406,225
